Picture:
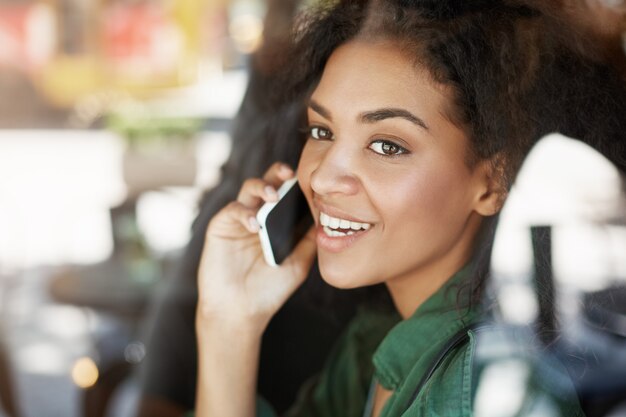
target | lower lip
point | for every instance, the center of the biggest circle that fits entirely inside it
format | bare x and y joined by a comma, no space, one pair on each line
337,243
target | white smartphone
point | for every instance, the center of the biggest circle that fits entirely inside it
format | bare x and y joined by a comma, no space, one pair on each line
283,223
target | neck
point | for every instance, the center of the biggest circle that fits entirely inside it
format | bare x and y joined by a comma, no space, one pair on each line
410,291
408,294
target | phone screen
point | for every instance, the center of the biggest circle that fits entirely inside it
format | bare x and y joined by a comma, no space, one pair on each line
288,222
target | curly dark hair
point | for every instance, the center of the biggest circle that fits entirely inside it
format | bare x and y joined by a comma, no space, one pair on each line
517,69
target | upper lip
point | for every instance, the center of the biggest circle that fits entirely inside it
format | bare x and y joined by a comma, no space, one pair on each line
335,212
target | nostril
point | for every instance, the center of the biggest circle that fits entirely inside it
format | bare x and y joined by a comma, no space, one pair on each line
329,181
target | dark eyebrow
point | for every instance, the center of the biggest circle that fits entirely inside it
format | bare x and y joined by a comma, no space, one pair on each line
389,113
319,109
372,116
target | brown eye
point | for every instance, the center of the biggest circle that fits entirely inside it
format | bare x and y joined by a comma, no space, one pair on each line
385,147
320,133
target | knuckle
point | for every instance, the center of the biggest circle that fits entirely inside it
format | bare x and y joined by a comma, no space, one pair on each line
253,184
233,206
248,182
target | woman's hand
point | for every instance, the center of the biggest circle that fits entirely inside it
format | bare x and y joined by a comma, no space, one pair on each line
235,283
238,295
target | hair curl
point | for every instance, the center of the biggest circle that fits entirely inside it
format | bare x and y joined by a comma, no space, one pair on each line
517,70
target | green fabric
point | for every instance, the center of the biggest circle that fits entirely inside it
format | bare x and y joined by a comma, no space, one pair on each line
398,353
341,389
263,408
409,349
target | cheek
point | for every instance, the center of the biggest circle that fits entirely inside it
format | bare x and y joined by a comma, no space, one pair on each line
426,198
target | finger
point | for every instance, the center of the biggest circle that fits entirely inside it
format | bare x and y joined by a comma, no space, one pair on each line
230,220
300,260
256,191
278,173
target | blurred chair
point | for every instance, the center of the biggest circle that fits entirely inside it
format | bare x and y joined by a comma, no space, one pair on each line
594,364
559,280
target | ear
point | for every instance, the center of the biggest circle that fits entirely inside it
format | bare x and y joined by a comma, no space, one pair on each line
491,191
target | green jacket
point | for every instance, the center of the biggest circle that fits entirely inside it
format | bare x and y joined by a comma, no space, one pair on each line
397,354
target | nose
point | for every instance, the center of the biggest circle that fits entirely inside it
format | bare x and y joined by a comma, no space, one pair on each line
335,173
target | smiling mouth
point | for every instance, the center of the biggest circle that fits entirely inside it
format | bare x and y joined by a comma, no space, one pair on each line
336,227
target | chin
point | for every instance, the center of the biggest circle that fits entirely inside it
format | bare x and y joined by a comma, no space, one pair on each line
344,277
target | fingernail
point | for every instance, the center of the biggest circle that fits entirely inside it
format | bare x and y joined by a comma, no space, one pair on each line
286,170
254,224
270,192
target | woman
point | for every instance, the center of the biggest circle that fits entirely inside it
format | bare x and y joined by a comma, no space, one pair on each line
419,115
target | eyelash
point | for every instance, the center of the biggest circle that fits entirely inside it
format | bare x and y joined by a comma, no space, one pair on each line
382,142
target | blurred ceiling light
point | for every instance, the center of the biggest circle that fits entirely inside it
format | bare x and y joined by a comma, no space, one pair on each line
85,372
246,30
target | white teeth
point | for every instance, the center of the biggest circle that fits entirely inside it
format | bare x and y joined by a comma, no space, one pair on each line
333,233
336,233
330,223
357,226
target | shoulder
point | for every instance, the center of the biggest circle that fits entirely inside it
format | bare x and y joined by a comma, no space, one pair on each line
448,393
490,361
448,390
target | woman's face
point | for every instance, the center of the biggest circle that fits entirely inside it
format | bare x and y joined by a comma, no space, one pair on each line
384,171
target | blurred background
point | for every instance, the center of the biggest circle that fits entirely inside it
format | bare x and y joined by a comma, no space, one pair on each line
115,118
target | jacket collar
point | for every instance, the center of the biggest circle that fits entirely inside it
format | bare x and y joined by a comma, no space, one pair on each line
412,343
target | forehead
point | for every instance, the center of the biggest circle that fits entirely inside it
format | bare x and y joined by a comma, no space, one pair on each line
364,75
